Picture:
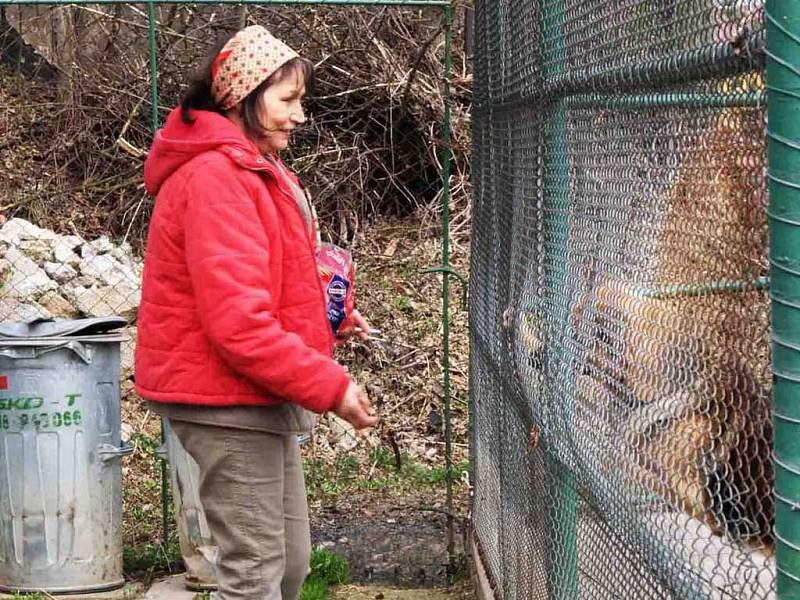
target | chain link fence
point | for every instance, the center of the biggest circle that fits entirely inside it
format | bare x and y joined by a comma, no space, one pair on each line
621,383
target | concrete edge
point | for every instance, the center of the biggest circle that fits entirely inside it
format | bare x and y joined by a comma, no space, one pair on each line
478,571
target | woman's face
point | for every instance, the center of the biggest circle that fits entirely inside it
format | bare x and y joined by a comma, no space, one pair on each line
280,111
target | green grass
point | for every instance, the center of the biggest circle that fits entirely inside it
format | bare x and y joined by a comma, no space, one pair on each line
402,304
146,443
346,475
315,589
150,559
327,569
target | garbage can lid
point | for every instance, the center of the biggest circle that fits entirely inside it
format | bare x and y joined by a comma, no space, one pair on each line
46,328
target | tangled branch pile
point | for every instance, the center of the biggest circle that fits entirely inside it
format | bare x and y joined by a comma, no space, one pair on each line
371,145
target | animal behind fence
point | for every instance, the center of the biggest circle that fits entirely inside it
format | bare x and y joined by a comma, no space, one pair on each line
676,354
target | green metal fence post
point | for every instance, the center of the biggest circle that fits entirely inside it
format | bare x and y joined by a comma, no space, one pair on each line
446,158
783,77
151,38
154,122
563,570
563,514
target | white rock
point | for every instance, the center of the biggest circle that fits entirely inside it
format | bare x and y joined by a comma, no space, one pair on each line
106,301
108,271
64,253
102,245
57,305
126,431
95,278
122,252
96,266
14,310
59,272
15,230
73,241
87,251
37,250
83,281
25,280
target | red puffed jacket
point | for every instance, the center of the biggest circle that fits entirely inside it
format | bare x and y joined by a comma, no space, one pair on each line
232,309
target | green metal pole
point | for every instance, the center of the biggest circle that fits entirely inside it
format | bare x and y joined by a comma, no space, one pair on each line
679,68
446,158
702,289
625,101
563,569
153,51
783,78
753,98
154,123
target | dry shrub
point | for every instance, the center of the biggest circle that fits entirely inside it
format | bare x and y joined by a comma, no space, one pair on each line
372,144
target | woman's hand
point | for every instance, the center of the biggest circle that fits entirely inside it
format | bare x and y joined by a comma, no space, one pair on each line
355,324
355,408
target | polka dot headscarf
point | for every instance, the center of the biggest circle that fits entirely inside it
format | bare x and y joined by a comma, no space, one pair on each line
249,57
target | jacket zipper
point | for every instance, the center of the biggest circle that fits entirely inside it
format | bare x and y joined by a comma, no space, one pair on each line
311,247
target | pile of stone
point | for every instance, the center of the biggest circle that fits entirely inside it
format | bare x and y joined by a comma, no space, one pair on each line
46,275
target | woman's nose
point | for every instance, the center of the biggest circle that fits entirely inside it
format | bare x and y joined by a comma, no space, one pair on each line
298,115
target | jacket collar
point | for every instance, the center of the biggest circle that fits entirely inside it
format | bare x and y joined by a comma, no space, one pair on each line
249,157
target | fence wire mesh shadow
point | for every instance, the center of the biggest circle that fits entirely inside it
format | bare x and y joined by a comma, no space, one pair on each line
619,312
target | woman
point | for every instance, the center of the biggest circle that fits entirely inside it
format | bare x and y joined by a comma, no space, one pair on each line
234,345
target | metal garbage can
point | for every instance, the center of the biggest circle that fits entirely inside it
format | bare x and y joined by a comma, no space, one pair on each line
60,450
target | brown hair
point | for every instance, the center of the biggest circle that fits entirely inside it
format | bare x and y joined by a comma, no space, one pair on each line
199,97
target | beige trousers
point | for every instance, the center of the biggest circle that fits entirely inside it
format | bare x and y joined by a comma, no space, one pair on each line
253,494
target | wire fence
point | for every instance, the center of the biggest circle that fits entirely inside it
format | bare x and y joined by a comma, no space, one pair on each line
621,383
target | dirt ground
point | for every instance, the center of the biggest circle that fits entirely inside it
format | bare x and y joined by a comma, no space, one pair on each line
400,547
461,591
